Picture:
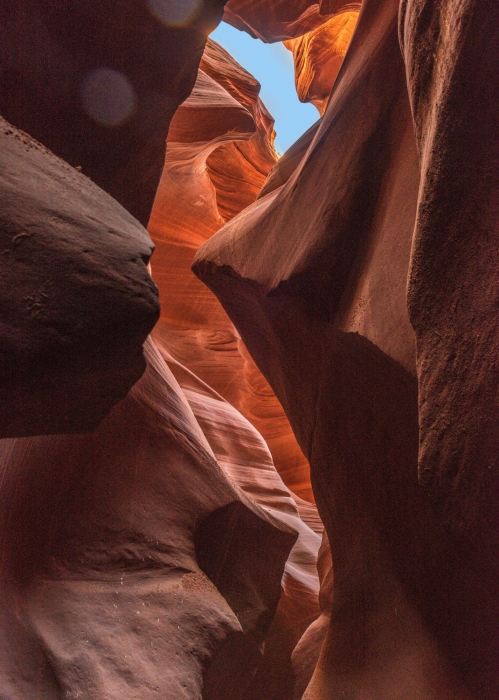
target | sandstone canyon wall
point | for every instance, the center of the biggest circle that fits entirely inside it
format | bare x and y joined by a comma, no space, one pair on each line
137,518
218,152
326,256
159,531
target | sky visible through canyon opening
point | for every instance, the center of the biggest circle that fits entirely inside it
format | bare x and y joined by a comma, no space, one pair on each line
272,66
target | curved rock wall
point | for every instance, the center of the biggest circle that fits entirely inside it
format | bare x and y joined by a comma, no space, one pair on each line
326,255
111,543
219,153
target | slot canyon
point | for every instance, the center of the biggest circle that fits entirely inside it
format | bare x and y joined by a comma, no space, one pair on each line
249,415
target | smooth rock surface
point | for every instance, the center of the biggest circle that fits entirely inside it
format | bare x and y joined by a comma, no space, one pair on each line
232,131
76,299
131,566
326,257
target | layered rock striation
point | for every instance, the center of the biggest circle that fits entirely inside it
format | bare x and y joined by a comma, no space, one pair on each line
218,153
278,20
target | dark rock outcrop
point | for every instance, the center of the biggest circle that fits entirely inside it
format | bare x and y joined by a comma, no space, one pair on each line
76,299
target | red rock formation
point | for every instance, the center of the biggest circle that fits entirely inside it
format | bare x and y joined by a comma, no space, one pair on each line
199,342
325,257
277,20
76,299
97,82
130,564
227,131
318,56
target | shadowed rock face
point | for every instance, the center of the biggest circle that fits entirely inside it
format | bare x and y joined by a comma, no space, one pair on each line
199,343
76,299
318,56
326,256
97,82
131,566
453,286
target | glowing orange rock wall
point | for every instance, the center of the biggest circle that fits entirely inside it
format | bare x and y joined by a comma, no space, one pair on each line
219,153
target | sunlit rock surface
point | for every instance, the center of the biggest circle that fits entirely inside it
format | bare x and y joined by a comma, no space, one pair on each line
222,129
318,56
415,611
453,285
76,299
97,82
131,566
277,20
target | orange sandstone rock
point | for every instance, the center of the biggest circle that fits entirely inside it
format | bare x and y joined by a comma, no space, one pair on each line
326,256
230,118
318,56
226,392
277,20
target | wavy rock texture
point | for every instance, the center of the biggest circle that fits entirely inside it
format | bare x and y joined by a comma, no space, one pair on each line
97,82
131,566
245,459
326,256
223,128
307,651
277,20
318,56
76,299
200,344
